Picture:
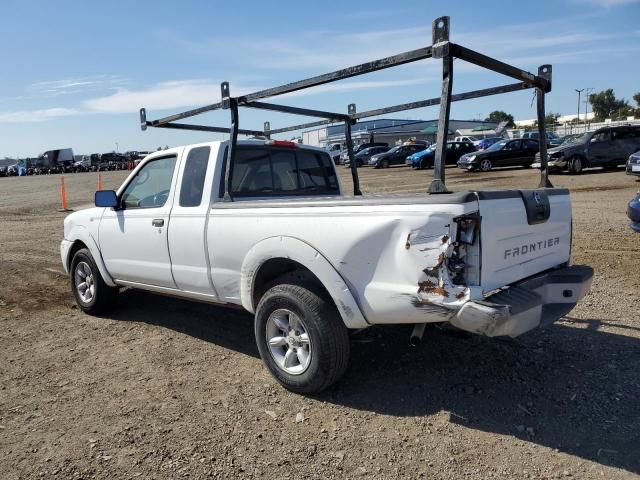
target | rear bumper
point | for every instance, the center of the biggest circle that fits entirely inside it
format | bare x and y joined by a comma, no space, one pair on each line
531,303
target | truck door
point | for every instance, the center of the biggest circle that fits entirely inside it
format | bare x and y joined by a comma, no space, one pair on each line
187,241
133,239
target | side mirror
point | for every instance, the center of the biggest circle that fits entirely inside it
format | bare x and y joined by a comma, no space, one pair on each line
106,198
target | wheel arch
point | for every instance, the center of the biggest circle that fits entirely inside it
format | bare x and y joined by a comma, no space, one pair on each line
81,238
276,256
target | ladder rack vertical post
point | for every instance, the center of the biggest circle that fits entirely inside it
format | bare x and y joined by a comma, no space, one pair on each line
544,71
229,103
349,141
441,50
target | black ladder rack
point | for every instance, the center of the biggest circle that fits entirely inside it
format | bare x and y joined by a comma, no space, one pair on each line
441,48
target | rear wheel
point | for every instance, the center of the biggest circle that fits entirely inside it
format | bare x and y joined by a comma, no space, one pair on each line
575,165
92,294
486,165
301,338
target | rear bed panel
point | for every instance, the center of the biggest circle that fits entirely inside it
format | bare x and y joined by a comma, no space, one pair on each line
512,249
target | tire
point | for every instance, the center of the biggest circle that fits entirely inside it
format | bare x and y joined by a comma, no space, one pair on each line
423,164
298,310
384,163
486,165
99,300
575,165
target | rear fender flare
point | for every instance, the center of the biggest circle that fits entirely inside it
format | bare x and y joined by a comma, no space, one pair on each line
307,256
82,234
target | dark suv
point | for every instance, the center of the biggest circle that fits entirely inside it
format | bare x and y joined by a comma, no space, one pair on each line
606,147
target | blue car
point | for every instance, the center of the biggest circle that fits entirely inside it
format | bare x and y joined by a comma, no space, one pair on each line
633,212
425,158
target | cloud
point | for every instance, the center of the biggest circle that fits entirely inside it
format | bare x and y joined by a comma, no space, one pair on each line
607,3
162,96
321,50
31,116
55,88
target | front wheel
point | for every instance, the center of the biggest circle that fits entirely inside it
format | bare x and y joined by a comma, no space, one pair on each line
485,165
301,338
385,164
575,165
92,294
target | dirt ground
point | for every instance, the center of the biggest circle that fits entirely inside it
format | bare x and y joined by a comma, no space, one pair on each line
164,389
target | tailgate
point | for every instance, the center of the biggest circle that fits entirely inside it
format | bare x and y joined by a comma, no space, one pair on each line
523,232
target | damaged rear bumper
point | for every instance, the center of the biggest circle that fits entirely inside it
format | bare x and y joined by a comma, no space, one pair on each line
531,303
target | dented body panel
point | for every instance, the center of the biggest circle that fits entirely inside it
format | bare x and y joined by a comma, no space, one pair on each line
391,257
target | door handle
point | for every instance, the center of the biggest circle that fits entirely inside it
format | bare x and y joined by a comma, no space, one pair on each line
157,222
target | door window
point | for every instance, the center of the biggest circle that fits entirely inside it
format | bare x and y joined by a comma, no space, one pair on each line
195,170
601,137
151,185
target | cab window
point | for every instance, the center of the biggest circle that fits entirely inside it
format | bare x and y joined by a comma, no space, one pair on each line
271,171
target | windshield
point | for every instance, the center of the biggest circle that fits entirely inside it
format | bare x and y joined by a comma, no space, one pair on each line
395,149
496,146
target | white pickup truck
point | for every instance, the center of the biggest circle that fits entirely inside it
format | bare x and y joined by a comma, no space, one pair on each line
312,264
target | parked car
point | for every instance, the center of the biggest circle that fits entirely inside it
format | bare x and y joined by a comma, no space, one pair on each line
487,142
396,156
633,164
505,153
552,138
633,212
344,157
606,147
466,138
363,156
270,246
425,158
335,152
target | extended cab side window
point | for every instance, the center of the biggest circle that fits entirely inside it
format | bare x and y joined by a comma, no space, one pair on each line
151,185
195,170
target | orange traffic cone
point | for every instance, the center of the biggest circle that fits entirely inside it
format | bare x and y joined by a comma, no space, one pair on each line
63,196
99,181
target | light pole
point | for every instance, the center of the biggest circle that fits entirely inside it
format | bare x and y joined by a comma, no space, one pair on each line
117,147
579,92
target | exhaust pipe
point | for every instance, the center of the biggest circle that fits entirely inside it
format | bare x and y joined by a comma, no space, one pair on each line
417,333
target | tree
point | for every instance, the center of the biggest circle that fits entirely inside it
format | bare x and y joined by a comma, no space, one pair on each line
551,119
605,105
636,98
498,116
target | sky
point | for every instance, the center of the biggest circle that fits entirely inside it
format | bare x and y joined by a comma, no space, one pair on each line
75,73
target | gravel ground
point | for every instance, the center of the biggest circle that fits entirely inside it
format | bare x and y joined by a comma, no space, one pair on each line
163,388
